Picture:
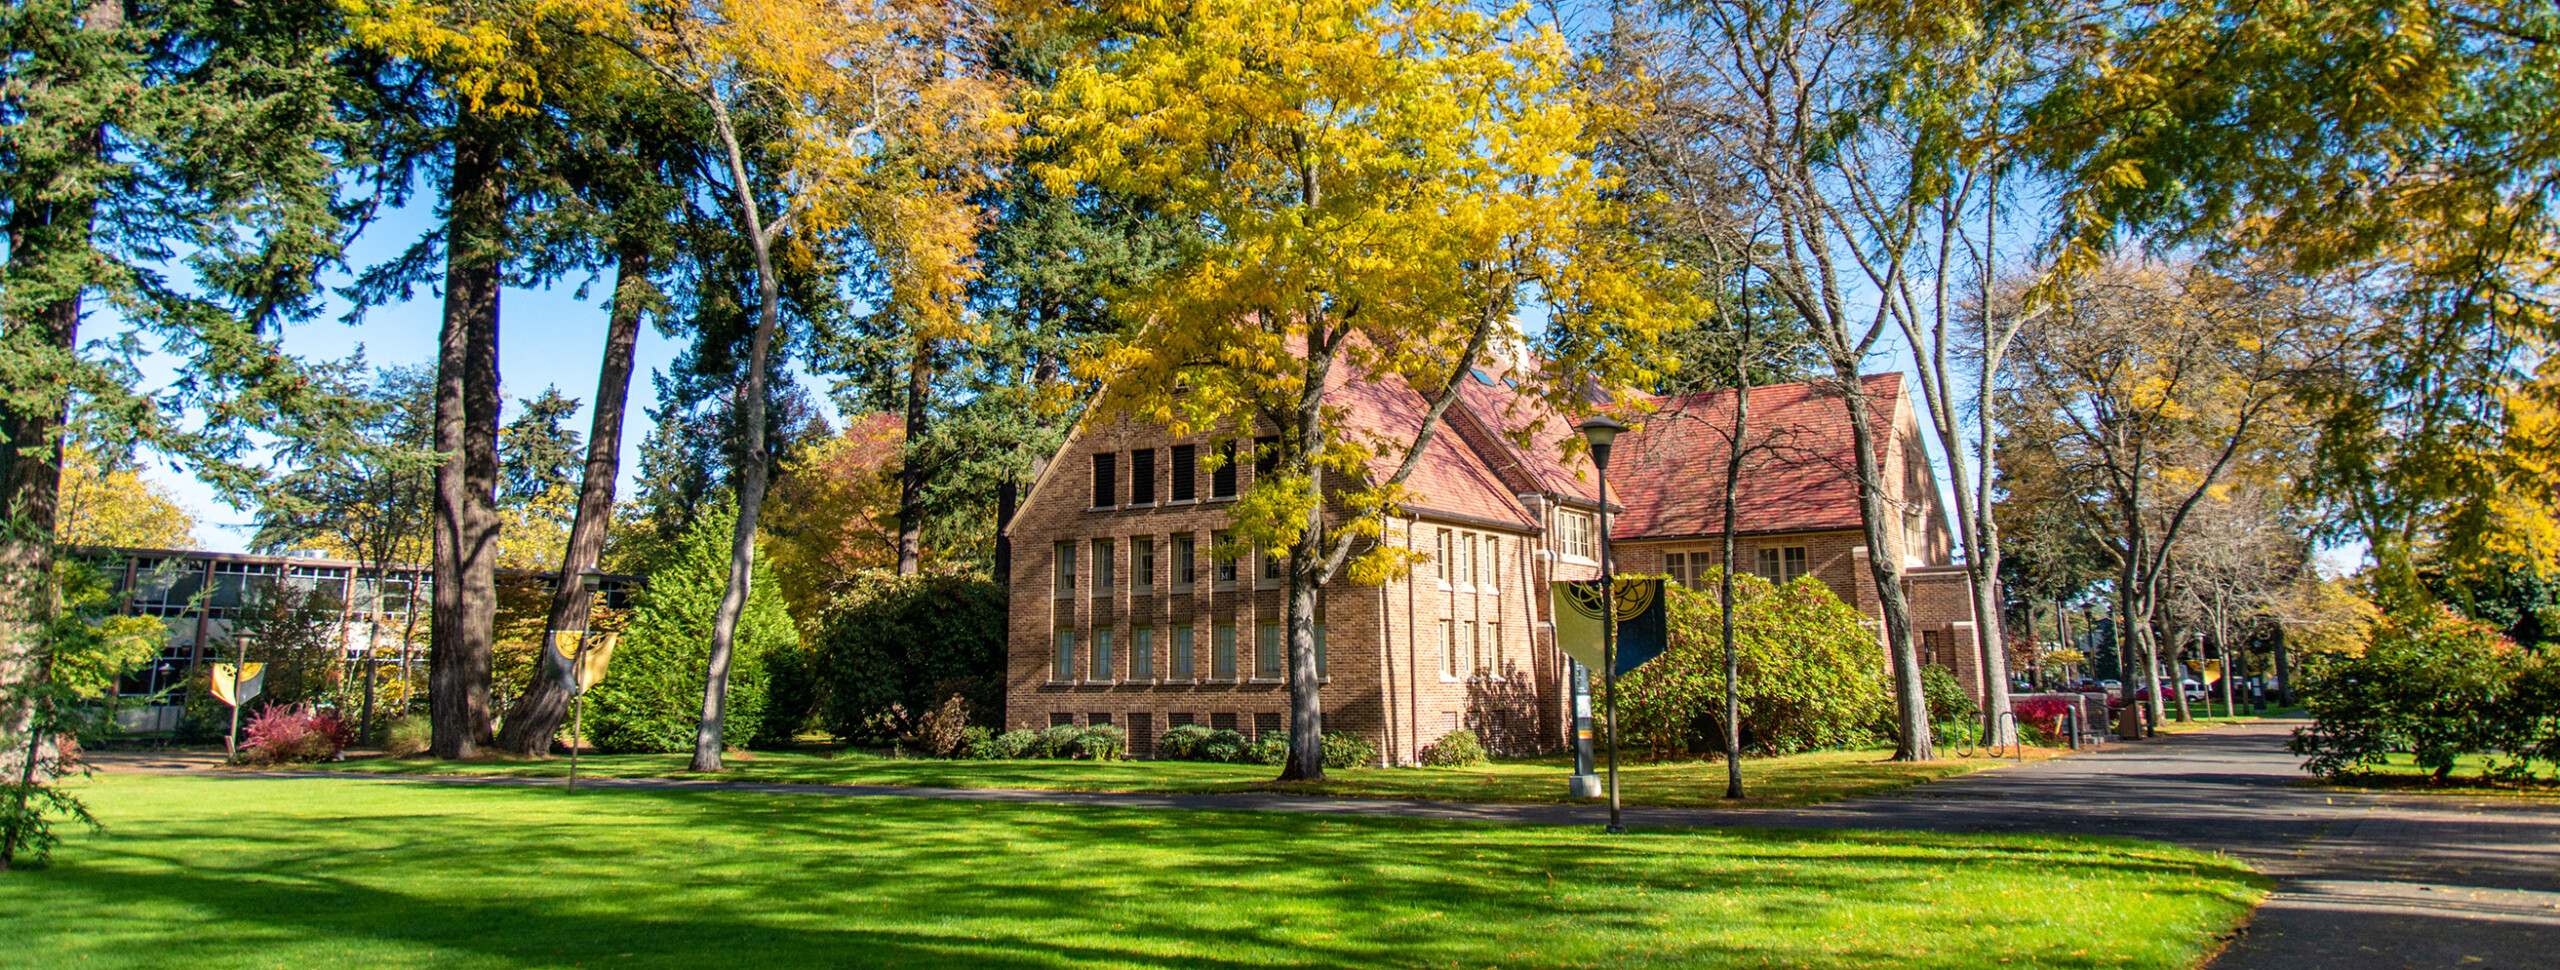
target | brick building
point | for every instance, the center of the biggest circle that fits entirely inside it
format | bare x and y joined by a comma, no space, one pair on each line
1120,615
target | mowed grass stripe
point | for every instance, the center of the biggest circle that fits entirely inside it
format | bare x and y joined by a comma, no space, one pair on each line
211,871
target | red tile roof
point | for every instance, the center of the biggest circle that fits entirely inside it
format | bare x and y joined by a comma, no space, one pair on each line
1669,472
1452,479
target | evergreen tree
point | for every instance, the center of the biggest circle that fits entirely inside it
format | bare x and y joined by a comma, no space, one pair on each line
651,697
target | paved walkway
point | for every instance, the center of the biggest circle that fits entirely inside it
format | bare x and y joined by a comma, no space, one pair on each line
2363,881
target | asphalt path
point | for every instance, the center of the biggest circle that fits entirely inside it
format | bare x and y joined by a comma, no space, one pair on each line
2382,881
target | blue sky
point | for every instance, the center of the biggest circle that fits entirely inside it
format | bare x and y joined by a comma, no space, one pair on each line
545,337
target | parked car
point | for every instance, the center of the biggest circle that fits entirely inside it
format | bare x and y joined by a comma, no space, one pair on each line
2195,692
2111,686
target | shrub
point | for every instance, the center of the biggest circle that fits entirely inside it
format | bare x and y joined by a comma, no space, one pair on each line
939,731
1343,749
1054,741
1182,742
2434,684
1270,748
1811,674
1192,742
891,649
651,696
1948,703
1010,745
1456,749
293,734
407,736
1101,742
2043,715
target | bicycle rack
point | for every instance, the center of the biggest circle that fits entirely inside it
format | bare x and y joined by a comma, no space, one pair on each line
2017,745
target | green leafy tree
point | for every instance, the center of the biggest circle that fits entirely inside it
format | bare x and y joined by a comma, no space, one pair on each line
2405,145
651,697
79,654
175,162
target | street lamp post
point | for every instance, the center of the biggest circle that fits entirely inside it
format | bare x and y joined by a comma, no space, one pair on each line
590,580
1600,431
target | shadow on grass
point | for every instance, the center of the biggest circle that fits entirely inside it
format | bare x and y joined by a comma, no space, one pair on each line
391,872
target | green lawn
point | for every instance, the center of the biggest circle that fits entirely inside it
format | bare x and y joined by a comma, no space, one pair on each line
1793,780
202,871
2402,774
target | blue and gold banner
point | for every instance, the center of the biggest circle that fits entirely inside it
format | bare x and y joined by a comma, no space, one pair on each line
1644,628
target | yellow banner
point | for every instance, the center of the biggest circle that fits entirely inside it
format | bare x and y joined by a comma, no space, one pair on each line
237,684
588,670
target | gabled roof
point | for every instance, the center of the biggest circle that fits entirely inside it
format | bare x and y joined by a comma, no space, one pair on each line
1451,479
1670,471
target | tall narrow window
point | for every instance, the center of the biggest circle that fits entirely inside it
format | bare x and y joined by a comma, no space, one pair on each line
1320,650
1065,666
1186,561
1142,477
1223,553
1271,563
1182,645
1105,568
1222,483
1574,534
1102,659
1466,566
1441,556
1186,473
1142,653
1222,652
1065,554
1266,456
1270,653
1493,647
1475,648
1449,659
1142,566
1489,562
1106,480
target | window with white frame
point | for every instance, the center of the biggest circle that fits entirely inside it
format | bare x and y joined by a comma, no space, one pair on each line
1575,535
1186,561
1142,566
1270,652
1466,566
1064,667
1780,565
1222,652
1223,552
1106,567
1440,555
1450,661
1065,555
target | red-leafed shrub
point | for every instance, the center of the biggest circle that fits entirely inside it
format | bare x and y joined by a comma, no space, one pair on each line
2043,714
294,734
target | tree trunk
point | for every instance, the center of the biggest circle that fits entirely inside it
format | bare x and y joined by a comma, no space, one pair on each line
1306,701
1734,450
1911,702
752,473
2284,670
911,471
462,639
2178,674
34,419
536,716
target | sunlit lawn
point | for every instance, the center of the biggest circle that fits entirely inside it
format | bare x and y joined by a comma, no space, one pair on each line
2402,774
1792,780
211,871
